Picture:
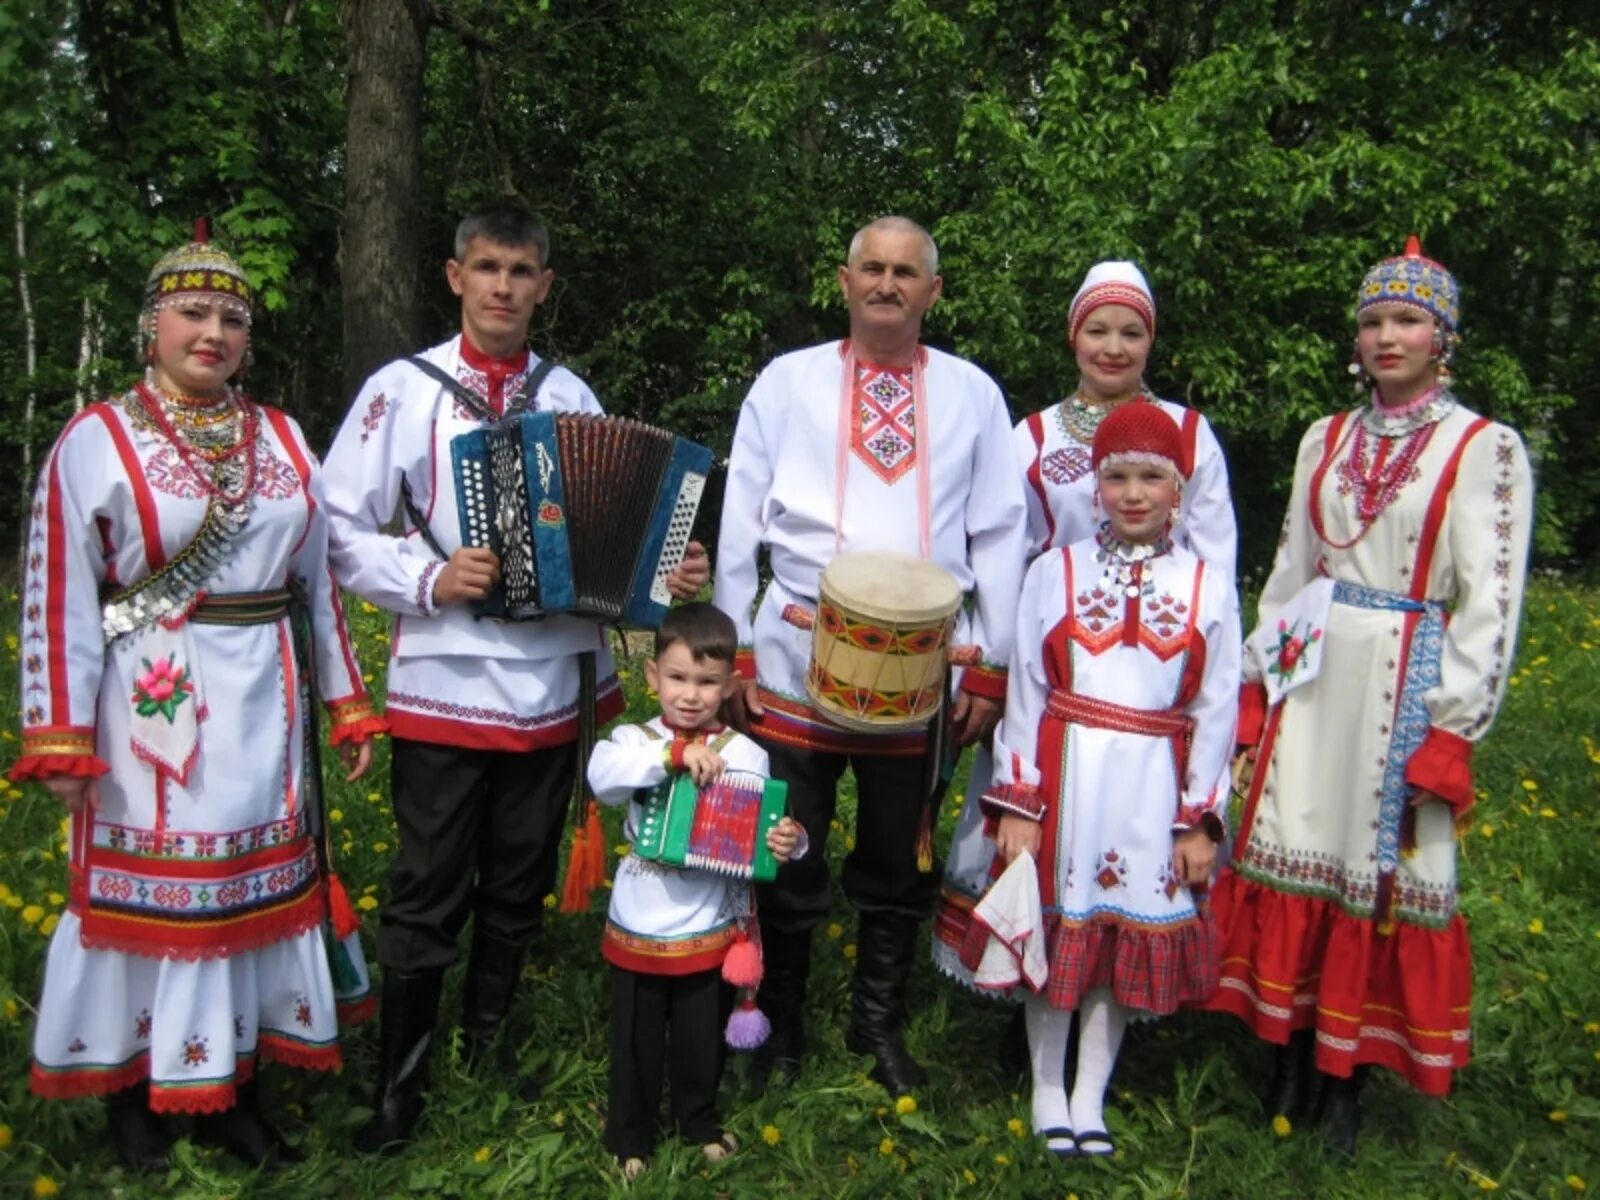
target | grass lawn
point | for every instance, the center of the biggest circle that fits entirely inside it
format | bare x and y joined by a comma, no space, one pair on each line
1524,1119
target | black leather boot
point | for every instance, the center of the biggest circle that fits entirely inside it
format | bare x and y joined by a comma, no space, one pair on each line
241,1131
493,972
1340,1110
1289,1094
786,966
409,1006
886,948
140,1137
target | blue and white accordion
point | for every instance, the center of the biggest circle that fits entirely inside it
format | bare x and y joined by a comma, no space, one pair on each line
587,514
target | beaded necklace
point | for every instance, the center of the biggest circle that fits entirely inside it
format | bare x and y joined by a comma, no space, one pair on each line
1123,562
220,451
1379,483
1079,419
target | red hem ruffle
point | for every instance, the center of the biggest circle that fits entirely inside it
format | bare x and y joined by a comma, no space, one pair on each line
297,1054
1292,962
54,766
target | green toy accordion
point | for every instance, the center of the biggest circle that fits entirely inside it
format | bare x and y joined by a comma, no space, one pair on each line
719,827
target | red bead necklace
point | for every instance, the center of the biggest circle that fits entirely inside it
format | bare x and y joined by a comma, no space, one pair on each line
202,461
1379,484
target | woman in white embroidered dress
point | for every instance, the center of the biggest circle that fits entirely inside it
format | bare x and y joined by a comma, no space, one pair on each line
1118,726
165,705
1382,650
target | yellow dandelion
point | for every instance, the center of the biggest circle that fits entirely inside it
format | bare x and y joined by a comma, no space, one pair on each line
367,903
559,1118
1591,1026
549,901
966,1173
380,847
43,1185
1558,1115
13,1010
1530,785
32,914
1017,1128
771,1135
886,1147
1576,1183
374,798
1002,1160
5,892
852,1163
1486,1184
835,931
1281,1125
1548,813
481,1154
850,950
336,815
1536,926
369,889
905,1105
5,1136
13,901
1486,830
56,899
621,849
48,925
850,842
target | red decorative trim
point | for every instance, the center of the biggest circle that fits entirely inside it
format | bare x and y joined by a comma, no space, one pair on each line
202,1098
54,766
274,1047
986,681
355,1012
1035,478
1258,777
1443,765
358,731
793,723
666,956
1434,521
144,499
73,1083
1330,447
676,751
1252,713
515,734
744,663
1017,799
1190,430
197,941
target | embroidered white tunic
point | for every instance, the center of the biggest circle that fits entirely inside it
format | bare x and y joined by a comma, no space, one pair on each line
192,943
482,684
1109,791
665,920
783,491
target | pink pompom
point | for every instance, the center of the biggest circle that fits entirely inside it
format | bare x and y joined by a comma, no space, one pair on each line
741,966
748,1027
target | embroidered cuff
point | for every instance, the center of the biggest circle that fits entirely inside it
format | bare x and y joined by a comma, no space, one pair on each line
744,663
64,750
802,843
674,754
986,681
1019,799
1191,816
1443,765
425,582
1252,713
354,720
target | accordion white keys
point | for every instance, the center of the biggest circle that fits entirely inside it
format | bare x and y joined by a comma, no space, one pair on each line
587,514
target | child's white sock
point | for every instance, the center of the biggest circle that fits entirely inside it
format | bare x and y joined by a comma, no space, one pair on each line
1048,1030
1101,1022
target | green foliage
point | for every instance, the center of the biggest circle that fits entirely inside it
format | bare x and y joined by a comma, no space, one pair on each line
1522,1118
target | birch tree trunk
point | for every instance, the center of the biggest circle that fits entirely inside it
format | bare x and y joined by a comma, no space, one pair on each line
31,366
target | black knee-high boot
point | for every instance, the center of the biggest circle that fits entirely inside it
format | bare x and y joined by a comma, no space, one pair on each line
886,949
243,1133
1340,1110
493,973
409,1008
1289,1094
139,1136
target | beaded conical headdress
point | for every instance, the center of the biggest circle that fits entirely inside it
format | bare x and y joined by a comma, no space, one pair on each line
1413,279
198,267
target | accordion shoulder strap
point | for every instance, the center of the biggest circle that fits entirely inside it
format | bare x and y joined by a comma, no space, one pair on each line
474,404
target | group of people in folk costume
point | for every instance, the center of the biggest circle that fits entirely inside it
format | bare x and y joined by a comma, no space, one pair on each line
181,622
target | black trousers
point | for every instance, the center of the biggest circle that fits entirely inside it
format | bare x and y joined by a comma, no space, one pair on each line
673,1022
880,873
479,836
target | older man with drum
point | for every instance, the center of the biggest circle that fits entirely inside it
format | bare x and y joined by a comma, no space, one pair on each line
875,445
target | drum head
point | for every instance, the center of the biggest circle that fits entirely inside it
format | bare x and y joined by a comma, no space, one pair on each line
892,587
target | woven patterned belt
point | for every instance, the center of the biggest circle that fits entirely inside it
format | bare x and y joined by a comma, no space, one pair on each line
242,608
1103,714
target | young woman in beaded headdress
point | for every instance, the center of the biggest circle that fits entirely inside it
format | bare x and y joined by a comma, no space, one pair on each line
1105,794
166,696
1382,651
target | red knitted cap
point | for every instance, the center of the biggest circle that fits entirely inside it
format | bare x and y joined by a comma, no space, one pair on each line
1138,431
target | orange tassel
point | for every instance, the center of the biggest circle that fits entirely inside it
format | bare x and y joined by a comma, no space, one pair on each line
925,840
586,862
341,912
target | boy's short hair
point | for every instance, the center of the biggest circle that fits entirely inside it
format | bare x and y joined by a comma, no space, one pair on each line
705,629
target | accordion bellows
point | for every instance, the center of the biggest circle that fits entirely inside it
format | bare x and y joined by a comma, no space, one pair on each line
587,514
719,827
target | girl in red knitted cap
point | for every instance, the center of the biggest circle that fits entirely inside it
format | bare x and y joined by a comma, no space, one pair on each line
1118,725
